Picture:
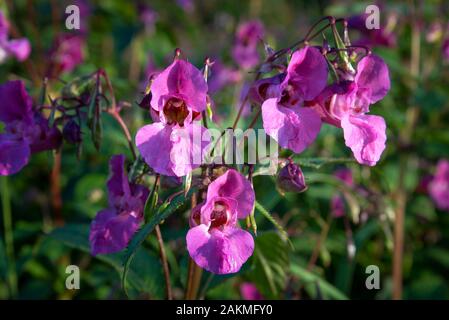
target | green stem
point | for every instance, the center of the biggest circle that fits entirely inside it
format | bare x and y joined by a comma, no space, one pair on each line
9,240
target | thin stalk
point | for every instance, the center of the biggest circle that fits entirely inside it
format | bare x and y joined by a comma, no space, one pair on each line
9,239
114,113
164,263
406,137
55,189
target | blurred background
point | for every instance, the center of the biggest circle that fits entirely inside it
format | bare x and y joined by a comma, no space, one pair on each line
337,228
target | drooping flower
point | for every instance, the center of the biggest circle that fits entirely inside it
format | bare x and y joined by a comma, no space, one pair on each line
346,103
244,51
18,48
249,291
25,132
439,186
285,118
113,227
291,178
337,201
66,53
215,242
175,144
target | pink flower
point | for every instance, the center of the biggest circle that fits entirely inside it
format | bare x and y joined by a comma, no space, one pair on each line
18,48
25,132
374,37
249,291
215,242
67,53
345,105
113,227
175,145
445,49
439,186
244,51
284,117
222,76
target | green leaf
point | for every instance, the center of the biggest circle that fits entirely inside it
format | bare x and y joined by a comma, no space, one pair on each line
311,281
270,218
150,281
164,211
270,264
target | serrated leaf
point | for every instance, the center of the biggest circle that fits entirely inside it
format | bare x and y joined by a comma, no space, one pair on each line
270,264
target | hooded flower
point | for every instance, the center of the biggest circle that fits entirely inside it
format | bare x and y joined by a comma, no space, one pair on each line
244,51
346,103
439,186
215,242
284,116
25,132
18,48
175,145
113,227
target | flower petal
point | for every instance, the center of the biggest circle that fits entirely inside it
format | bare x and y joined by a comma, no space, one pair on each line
293,128
153,142
173,151
219,252
307,71
365,135
20,48
372,75
118,184
110,232
234,185
14,155
16,103
183,79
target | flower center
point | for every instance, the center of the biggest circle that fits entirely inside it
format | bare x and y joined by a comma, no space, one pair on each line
175,110
219,216
288,96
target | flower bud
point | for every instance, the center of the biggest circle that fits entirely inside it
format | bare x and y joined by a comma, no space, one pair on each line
291,179
72,132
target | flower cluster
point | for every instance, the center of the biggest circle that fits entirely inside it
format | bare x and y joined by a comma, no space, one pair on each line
26,131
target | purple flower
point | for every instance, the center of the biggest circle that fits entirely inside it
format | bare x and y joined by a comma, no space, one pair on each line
67,53
147,16
439,186
25,132
222,76
215,242
337,201
291,178
345,105
249,291
18,48
374,37
244,51
175,145
284,117
113,227
267,88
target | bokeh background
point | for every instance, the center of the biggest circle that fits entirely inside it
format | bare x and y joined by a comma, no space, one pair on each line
51,209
